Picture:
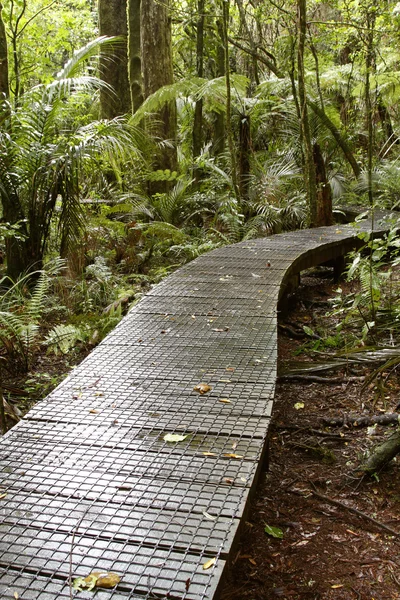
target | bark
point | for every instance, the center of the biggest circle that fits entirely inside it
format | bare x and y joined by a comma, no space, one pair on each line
362,420
4,85
219,118
382,454
114,67
244,155
229,130
309,168
324,192
134,57
157,67
198,113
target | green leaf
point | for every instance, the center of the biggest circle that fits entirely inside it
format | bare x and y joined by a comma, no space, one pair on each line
174,437
274,532
308,331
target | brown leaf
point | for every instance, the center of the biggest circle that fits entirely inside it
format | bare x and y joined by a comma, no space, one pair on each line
231,455
202,388
107,580
224,400
93,411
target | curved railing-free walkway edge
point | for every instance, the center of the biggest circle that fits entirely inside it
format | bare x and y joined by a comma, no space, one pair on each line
88,482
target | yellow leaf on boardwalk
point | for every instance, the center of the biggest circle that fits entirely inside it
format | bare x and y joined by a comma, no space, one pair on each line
209,563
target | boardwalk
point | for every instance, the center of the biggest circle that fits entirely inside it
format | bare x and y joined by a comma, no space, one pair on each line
88,482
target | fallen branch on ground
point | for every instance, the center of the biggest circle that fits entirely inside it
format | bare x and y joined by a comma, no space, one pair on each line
362,420
382,454
317,379
355,511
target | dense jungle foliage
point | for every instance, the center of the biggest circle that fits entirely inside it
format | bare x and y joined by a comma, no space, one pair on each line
135,136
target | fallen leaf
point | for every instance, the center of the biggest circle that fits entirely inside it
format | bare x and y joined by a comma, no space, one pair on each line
224,400
230,481
96,579
99,394
299,405
209,454
273,531
16,595
187,584
252,561
224,381
336,587
107,580
202,388
93,411
220,329
231,369
231,455
174,437
208,516
255,275
3,496
209,563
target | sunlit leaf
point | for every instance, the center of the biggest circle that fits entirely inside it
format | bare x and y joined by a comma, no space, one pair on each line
174,437
299,405
209,563
231,455
274,532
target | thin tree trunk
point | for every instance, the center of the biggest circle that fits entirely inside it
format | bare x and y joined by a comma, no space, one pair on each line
231,145
114,68
244,155
134,57
309,168
156,46
219,117
324,192
4,85
198,112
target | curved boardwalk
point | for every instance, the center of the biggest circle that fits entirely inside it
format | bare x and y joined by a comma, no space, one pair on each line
87,480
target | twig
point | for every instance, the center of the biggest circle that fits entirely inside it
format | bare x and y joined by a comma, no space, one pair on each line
74,532
297,429
355,511
317,379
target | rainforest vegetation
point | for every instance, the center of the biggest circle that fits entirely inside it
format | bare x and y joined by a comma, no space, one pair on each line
136,135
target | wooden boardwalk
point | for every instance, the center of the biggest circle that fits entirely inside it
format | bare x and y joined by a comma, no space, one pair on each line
88,482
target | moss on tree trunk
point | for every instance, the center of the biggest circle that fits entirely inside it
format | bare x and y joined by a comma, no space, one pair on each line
114,67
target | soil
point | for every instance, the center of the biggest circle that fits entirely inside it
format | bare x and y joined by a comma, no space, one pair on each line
327,552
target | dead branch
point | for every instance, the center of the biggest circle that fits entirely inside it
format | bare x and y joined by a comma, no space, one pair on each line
382,454
350,509
317,379
362,420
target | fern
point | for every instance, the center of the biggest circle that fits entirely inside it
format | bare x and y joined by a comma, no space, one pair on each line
62,338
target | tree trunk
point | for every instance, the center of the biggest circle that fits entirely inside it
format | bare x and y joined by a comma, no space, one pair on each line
4,87
114,67
309,168
134,57
324,192
244,155
198,113
156,50
219,117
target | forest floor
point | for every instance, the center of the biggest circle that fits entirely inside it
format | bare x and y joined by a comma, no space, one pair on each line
327,551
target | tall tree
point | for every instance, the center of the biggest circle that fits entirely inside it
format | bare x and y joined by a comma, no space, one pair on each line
157,68
310,182
4,89
134,58
116,100
198,112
